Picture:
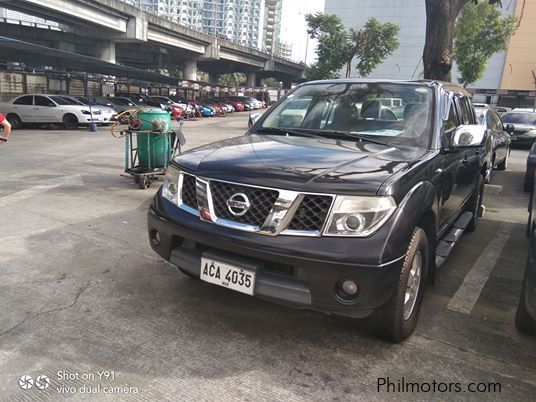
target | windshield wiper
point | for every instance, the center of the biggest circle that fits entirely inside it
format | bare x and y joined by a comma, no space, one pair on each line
286,131
355,135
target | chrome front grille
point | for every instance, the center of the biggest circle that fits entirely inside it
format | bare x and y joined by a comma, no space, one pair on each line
270,211
262,201
188,191
311,213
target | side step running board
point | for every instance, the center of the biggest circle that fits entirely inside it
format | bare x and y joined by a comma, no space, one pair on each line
446,245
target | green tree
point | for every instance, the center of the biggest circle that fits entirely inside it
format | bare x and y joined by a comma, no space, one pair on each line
438,47
232,79
332,45
370,45
338,47
481,30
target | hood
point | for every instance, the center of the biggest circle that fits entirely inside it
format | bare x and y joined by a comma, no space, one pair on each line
324,165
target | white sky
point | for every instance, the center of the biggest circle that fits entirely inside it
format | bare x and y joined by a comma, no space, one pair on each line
293,26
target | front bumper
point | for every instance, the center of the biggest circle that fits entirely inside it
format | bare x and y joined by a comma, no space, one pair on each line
297,271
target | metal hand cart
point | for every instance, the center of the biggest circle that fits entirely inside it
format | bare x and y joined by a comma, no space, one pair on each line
149,151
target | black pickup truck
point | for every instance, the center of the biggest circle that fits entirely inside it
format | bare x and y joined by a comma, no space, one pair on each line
344,197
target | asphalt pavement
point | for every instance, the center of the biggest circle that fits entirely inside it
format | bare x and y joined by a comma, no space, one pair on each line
86,304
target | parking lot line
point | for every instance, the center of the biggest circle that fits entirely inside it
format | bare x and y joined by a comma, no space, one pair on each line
468,293
44,185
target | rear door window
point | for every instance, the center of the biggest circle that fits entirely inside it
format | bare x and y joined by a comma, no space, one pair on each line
24,100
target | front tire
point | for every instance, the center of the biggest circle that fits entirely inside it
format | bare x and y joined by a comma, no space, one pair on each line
70,121
396,320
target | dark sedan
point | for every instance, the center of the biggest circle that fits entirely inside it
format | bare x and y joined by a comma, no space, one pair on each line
526,310
500,138
524,123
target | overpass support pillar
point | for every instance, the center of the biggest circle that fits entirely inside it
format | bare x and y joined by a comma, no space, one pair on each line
287,84
190,70
105,50
213,78
251,79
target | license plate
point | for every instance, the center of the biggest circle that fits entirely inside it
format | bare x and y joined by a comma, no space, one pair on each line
228,276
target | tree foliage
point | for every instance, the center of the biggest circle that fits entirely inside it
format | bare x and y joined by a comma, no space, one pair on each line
370,45
232,79
481,30
332,41
438,48
338,47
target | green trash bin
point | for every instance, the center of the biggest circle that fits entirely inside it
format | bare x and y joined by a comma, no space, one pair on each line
153,141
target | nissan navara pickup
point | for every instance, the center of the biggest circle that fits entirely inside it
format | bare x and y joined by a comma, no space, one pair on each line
333,200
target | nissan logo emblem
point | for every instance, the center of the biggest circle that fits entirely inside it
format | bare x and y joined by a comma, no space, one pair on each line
238,204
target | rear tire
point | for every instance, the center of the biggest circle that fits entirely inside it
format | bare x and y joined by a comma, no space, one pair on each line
396,320
70,121
14,120
474,204
504,164
524,322
528,183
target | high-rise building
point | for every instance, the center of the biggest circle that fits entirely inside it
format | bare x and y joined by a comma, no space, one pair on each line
272,25
241,21
510,70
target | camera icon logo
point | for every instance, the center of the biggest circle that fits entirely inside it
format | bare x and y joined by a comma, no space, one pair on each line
42,382
26,382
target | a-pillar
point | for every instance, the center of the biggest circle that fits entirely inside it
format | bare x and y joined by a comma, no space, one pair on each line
213,78
105,50
190,70
251,79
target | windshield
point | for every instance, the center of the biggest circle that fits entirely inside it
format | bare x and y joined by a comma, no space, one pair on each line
359,109
519,118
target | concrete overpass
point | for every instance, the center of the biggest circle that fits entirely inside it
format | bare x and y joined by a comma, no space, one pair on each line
118,33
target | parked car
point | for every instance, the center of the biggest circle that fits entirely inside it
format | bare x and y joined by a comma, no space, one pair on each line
44,108
500,110
526,309
107,114
524,123
121,103
498,151
238,106
346,220
530,169
177,110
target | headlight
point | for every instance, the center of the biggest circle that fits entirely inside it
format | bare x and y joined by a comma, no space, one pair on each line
170,188
85,112
358,216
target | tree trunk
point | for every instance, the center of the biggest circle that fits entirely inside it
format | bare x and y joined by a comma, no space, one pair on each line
438,53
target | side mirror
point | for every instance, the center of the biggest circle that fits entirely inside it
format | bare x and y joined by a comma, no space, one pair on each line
469,136
509,128
253,118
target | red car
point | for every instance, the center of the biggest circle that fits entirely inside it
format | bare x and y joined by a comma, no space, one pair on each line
239,106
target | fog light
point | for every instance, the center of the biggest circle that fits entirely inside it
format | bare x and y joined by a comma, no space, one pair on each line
155,238
347,291
349,287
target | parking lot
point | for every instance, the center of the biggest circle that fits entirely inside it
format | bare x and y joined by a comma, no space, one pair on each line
82,294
